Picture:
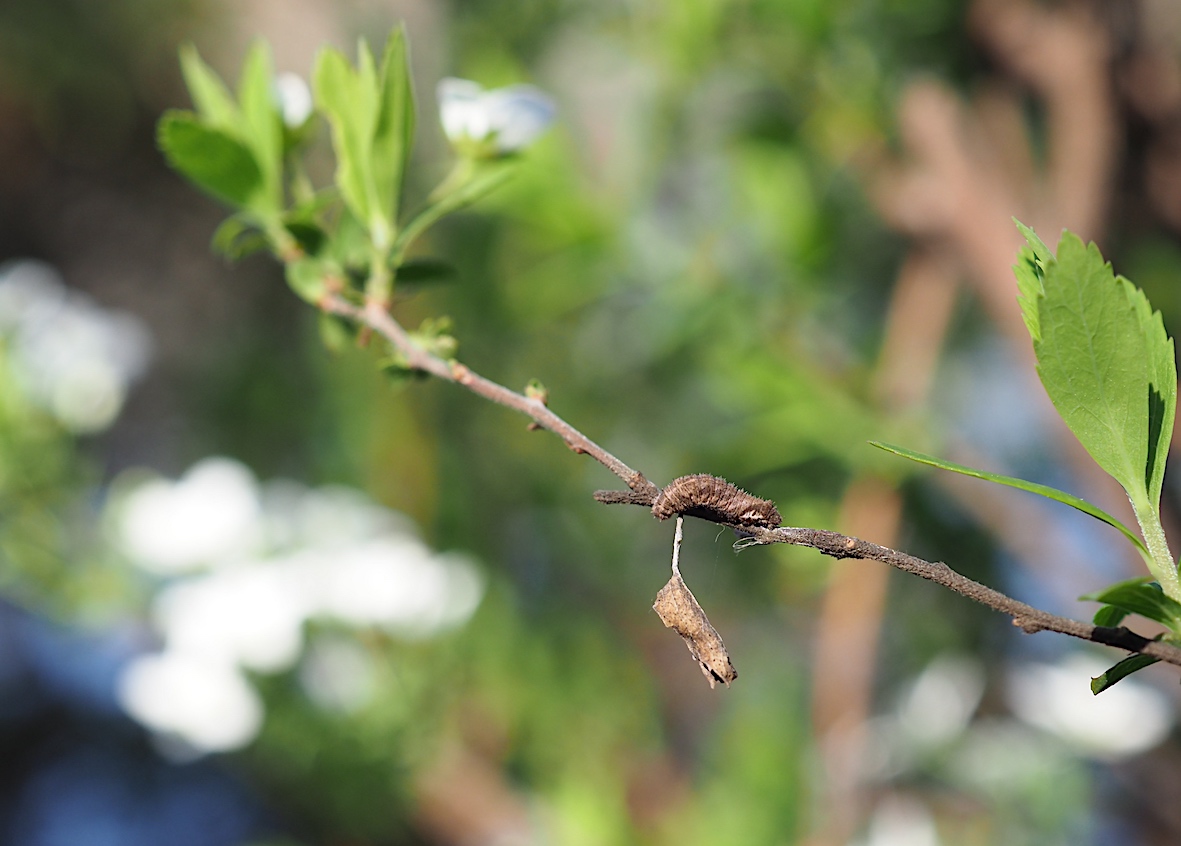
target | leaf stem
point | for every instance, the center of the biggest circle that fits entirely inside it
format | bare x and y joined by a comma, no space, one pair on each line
1161,563
438,205
379,285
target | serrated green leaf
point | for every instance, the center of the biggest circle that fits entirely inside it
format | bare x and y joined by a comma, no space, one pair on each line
394,130
1012,482
1029,270
237,238
214,161
1036,244
263,125
211,98
1093,361
1139,596
1122,670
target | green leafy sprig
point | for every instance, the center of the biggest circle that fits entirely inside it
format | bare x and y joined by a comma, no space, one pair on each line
1110,370
350,238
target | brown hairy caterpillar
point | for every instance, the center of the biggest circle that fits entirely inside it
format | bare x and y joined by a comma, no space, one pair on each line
714,499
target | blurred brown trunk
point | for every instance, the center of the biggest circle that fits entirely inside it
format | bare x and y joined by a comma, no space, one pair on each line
850,621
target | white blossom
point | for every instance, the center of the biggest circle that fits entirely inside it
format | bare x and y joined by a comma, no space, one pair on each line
205,703
495,122
249,616
1129,718
71,357
209,516
337,674
251,566
900,821
294,99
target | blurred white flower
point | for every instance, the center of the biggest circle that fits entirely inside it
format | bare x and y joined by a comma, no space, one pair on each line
397,583
209,516
74,359
934,710
940,703
901,821
250,616
275,558
207,704
1001,756
337,674
29,290
1129,718
496,122
334,515
294,99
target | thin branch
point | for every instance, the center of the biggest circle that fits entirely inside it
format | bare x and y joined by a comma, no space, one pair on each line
380,321
643,493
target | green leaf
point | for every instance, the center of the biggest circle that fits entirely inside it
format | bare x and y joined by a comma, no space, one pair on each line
1122,670
426,271
349,244
348,100
537,391
216,162
210,96
394,131
1032,487
1138,596
371,120
1100,367
307,277
336,332
1109,616
1030,270
237,238
310,237
1161,362
434,336
263,126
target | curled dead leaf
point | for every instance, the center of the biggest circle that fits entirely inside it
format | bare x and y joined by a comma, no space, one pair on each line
680,611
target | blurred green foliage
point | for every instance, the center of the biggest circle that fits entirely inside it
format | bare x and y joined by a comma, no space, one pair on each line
689,264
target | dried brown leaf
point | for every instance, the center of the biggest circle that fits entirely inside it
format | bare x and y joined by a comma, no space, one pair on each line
680,611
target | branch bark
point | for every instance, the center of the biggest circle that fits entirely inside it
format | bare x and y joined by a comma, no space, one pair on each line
643,492
379,320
